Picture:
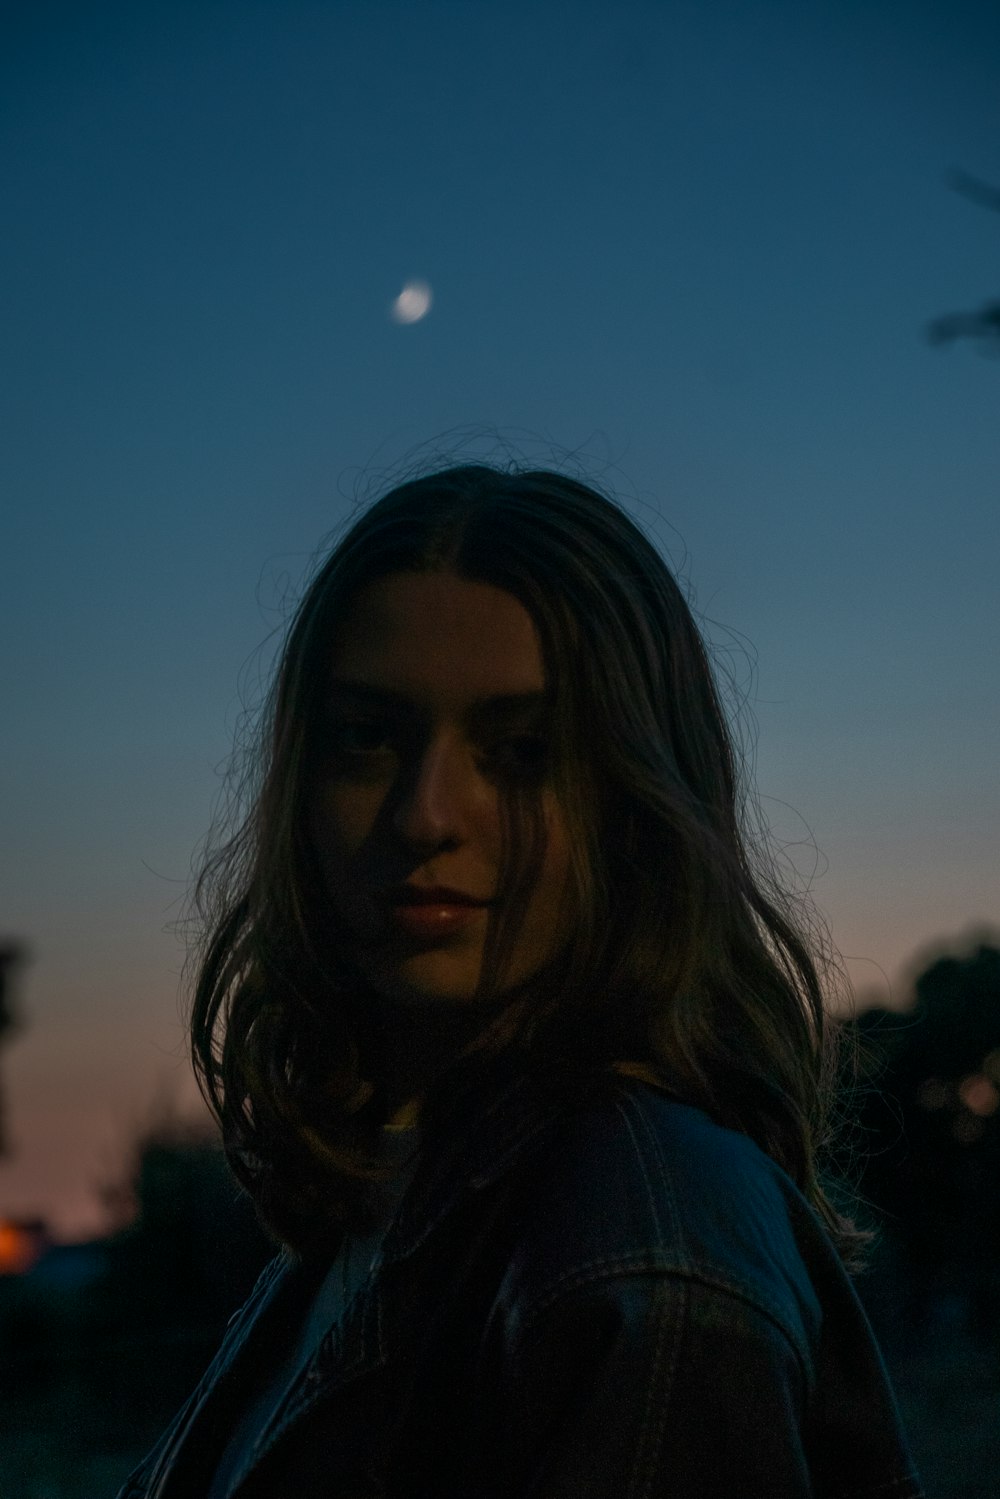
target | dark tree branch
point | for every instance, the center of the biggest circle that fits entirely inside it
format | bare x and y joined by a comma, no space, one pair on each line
984,325
975,189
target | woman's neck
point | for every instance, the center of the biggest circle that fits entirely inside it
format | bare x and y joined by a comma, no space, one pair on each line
415,1045
407,1116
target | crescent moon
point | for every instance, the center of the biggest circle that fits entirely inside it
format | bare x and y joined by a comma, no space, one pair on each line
413,303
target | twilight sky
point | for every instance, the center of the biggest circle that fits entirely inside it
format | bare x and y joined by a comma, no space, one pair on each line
696,246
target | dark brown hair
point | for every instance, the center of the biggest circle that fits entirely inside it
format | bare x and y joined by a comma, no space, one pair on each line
690,958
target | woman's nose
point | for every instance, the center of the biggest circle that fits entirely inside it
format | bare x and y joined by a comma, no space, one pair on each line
435,797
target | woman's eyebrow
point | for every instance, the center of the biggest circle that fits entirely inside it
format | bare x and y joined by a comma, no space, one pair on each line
501,704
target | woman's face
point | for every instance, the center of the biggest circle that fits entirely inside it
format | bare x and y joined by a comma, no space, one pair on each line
435,702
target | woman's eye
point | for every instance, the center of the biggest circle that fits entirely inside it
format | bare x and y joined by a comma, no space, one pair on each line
366,744
358,739
520,754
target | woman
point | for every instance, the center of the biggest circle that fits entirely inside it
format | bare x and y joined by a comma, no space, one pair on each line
518,1051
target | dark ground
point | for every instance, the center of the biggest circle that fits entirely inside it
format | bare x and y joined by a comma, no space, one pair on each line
949,1395
946,1378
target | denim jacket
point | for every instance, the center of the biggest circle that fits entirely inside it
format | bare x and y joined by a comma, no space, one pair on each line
590,1292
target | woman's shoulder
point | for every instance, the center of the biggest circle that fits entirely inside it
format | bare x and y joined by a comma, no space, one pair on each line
631,1181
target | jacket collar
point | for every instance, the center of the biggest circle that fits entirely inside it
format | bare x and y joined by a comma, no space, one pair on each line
499,1111
471,1141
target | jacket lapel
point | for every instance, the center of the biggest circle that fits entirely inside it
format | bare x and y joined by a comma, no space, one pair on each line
364,1352
184,1461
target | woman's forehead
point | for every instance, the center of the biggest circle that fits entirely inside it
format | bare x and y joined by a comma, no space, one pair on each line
410,632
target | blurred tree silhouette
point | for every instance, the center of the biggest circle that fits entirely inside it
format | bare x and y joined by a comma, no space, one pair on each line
928,1105
983,324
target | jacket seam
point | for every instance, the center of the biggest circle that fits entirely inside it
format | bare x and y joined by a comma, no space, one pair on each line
907,1481
650,1146
702,1268
651,1450
595,1271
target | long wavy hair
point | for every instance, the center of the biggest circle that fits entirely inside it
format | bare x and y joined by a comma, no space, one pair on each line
689,957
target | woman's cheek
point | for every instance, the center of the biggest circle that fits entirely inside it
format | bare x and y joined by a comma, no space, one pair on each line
340,822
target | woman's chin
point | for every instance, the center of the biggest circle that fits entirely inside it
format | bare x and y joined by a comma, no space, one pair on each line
427,980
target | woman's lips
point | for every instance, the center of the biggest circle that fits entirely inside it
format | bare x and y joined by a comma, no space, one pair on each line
432,914
434,920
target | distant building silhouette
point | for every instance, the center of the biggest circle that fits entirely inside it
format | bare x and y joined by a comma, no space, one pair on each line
11,954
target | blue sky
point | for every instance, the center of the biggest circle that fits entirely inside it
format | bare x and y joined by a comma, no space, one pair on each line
696,247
